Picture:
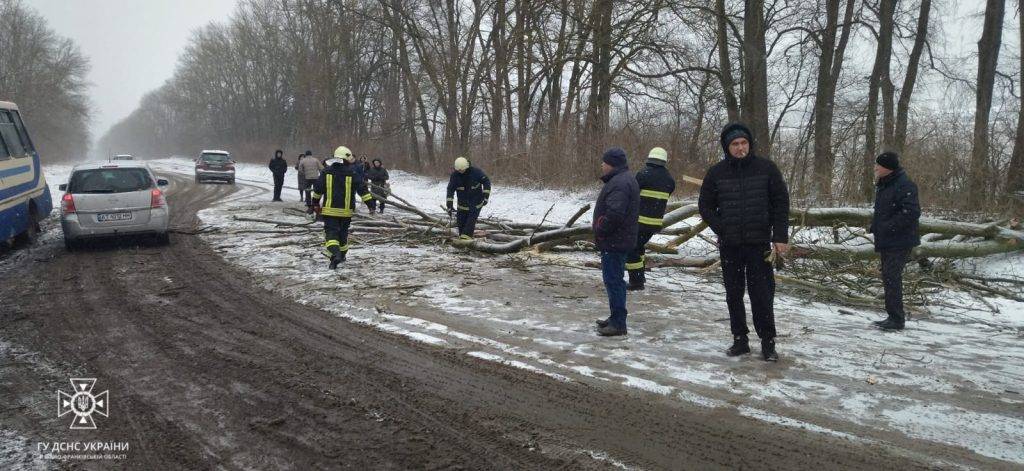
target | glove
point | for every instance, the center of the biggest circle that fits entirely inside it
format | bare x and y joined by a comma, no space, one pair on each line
484,203
316,208
450,208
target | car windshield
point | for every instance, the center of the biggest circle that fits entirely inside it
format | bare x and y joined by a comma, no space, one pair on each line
110,180
215,158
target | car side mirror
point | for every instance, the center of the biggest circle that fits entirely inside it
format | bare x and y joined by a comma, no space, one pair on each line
63,187
162,182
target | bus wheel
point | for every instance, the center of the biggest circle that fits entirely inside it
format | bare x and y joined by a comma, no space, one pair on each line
31,233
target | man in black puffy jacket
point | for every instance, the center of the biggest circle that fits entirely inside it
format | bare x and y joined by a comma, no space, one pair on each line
746,203
894,224
278,167
615,232
656,186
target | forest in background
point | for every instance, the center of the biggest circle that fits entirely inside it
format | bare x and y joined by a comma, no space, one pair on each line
534,90
45,74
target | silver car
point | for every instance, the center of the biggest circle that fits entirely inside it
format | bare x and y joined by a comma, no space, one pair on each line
215,165
113,199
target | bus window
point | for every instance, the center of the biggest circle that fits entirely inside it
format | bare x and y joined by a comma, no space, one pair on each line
4,155
10,135
22,132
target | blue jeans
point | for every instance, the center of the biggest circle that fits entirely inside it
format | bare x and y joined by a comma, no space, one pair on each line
613,265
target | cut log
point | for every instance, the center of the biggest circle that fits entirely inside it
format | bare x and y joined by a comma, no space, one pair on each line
945,249
861,217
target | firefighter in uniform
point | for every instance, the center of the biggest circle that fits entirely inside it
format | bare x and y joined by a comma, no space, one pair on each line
339,185
473,189
656,185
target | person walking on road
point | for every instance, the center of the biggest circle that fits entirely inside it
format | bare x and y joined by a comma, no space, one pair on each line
378,177
745,201
473,189
278,167
339,185
656,186
309,170
615,224
895,227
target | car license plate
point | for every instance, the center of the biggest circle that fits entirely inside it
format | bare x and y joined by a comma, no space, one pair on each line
106,217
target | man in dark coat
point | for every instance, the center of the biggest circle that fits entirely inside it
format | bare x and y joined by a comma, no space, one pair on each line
746,203
340,186
473,189
278,167
378,177
615,232
656,186
894,224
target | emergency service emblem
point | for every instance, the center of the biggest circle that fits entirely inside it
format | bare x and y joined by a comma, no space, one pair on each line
83,403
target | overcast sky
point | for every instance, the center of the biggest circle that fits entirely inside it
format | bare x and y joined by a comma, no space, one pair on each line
132,45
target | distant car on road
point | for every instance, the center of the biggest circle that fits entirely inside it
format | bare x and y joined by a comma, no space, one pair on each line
24,195
113,199
123,157
215,165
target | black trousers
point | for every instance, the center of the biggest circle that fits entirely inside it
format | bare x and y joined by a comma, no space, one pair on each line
278,184
893,262
466,220
336,236
744,267
307,191
635,259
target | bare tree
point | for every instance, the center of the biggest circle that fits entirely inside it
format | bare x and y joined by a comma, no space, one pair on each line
879,74
988,57
830,65
1015,172
754,104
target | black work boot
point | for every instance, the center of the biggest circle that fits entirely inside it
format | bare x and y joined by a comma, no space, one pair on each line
892,323
740,346
888,318
335,261
768,350
611,331
636,280
601,322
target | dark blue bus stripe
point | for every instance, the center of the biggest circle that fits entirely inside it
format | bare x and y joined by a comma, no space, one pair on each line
15,171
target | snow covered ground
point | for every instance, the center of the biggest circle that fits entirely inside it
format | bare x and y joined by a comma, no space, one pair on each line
955,379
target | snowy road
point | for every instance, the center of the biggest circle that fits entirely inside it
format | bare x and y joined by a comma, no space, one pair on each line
207,369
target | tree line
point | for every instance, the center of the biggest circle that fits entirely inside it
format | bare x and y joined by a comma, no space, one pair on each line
45,74
533,90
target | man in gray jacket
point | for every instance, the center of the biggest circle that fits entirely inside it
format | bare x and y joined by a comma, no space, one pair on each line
309,171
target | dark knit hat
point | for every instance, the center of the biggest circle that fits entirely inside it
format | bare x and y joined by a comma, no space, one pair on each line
733,131
309,152
616,157
889,160
278,153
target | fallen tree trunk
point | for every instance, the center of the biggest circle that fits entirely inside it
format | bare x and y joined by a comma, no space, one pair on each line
861,217
677,261
926,249
520,243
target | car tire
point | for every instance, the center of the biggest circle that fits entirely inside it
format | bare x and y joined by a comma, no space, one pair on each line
231,181
31,233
